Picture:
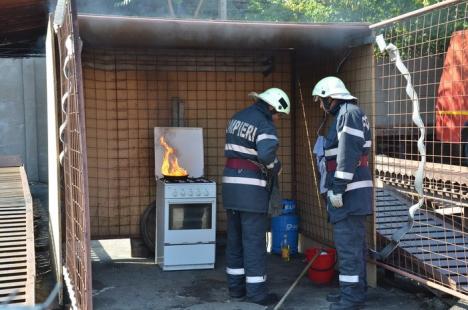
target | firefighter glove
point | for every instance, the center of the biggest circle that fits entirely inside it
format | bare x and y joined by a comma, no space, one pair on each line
336,200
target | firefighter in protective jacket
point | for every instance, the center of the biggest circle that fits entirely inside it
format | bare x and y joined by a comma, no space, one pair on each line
251,164
349,184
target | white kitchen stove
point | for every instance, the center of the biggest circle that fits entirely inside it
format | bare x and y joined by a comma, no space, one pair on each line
185,209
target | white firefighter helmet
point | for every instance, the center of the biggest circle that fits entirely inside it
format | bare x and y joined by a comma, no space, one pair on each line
331,87
275,97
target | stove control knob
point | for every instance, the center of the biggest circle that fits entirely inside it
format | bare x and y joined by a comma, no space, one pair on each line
190,193
198,192
174,193
182,192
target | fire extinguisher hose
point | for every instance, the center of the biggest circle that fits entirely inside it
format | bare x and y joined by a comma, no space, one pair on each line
394,54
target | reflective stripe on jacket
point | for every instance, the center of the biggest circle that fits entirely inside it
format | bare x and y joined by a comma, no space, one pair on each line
250,134
348,138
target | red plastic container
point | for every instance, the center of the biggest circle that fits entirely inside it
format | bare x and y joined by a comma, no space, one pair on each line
322,271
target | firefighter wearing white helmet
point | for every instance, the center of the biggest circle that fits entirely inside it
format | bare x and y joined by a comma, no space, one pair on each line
251,168
276,98
349,184
331,88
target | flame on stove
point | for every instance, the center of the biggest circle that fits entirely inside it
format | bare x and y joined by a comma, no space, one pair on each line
170,165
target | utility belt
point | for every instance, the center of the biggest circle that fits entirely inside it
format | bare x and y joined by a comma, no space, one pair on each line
363,162
239,163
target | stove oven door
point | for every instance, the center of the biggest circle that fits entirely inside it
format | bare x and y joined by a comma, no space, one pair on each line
189,221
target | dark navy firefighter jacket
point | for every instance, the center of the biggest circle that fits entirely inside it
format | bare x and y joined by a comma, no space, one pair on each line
348,139
250,134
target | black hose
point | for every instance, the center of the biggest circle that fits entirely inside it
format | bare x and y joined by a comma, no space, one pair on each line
148,226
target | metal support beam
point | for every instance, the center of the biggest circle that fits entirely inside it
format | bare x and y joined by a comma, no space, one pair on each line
222,9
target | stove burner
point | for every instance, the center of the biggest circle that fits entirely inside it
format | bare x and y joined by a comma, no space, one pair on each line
188,180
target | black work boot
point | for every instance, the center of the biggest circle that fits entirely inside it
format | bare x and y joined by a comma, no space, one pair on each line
268,300
238,293
334,296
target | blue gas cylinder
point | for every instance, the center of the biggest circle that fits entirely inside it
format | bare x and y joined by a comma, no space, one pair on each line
282,225
289,206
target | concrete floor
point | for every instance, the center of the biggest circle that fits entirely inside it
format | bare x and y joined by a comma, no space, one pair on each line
122,279
123,282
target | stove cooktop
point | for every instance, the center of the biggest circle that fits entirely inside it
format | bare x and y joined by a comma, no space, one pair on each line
187,181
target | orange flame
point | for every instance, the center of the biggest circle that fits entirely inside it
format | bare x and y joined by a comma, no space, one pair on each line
170,165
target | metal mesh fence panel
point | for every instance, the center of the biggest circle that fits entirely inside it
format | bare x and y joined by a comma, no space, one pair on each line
74,162
308,118
129,92
433,46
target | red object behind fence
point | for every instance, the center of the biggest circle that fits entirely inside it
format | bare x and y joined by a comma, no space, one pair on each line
452,96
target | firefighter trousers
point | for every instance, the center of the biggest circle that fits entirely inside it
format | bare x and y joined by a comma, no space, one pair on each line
246,253
350,241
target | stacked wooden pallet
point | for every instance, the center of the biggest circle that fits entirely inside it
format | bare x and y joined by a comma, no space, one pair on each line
17,259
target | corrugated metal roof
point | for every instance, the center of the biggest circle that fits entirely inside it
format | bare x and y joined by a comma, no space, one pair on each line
118,31
22,22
